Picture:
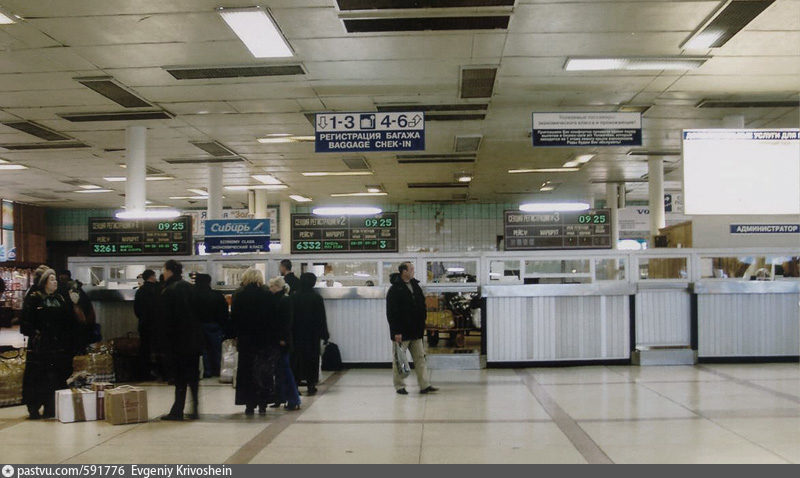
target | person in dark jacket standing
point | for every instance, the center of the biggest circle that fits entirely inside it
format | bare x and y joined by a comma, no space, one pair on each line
309,327
291,280
256,329
406,312
287,387
212,311
52,324
145,306
184,335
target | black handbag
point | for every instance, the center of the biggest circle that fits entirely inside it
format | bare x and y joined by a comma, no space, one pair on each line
331,358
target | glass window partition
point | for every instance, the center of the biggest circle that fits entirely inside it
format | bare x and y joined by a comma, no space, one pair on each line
558,271
344,273
751,267
610,269
504,271
664,268
451,271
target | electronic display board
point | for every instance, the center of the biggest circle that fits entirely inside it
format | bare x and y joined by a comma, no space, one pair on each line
526,231
316,234
123,237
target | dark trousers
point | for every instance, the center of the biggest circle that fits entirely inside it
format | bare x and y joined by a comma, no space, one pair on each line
187,374
145,355
287,388
212,354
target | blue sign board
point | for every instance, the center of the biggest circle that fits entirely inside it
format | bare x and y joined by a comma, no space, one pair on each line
369,132
765,228
237,227
237,244
237,235
586,129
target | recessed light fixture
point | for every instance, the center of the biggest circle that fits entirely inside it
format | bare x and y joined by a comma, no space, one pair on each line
337,173
300,198
267,179
92,191
579,160
374,189
256,186
122,179
547,189
6,19
89,186
148,214
634,63
285,138
12,167
730,18
543,170
256,28
179,198
342,195
347,211
200,192
463,177
553,206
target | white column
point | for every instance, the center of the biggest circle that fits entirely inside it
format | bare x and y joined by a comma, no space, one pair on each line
261,204
612,203
251,203
215,191
655,186
136,163
285,221
733,122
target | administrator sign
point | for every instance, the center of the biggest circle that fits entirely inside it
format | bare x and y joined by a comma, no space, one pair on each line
587,129
369,132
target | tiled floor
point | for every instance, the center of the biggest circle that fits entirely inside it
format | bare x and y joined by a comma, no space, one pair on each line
702,414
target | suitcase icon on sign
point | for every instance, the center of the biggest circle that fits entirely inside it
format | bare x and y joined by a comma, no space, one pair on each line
367,121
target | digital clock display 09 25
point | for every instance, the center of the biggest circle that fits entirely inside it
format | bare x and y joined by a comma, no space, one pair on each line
592,219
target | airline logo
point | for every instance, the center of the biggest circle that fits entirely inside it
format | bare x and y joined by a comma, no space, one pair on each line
237,227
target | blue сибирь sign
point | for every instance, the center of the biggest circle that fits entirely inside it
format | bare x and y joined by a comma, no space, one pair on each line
371,131
765,228
586,129
237,235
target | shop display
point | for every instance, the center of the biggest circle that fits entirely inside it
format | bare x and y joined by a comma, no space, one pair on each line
99,366
12,367
17,282
76,405
450,313
126,404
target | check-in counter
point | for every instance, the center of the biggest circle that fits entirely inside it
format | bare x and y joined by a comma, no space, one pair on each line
747,319
558,323
114,311
357,323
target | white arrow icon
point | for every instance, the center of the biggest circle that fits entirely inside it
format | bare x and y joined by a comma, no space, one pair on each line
415,120
323,122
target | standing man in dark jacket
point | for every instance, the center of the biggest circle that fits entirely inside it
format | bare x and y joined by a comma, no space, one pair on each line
211,309
406,312
184,335
309,327
145,306
291,280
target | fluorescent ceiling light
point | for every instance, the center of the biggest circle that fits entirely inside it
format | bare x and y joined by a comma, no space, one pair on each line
5,19
543,170
633,63
3,161
148,214
361,274
374,189
257,30
122,179
92,191
546,189
341,195
267,179
584,158
200,192
285,138
89,186
300,198
12,167
347,211
553,206
177,198
466,178
257,186
338,173
571,164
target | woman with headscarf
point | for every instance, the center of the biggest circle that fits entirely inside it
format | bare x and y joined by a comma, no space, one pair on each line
283,311
52,324
253,317
309,327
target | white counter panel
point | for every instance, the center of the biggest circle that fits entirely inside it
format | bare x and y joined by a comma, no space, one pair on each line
360,329
663,317
523,329
748,325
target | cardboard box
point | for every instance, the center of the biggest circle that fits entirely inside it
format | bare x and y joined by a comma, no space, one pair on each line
76,405
126,404
100,388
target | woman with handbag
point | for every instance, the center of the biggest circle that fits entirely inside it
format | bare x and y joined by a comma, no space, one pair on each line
52,324
287,387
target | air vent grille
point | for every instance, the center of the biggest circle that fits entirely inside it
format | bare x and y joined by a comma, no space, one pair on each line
437,185
735,16
455,117
467,143
36,130
125,116
357,164
214,148
429,108
234,71
44,146
749,104
345,5
370,25
108,87
232,159
477,82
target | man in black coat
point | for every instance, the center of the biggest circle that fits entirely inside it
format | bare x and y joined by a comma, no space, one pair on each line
184,335
145,306
309,327
291,280
212,312
406,312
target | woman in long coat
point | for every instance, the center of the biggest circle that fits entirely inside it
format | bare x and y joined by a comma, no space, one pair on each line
253,317
53,326
287,388
309,327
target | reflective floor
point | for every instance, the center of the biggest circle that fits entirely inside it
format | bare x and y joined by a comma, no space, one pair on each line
619,414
